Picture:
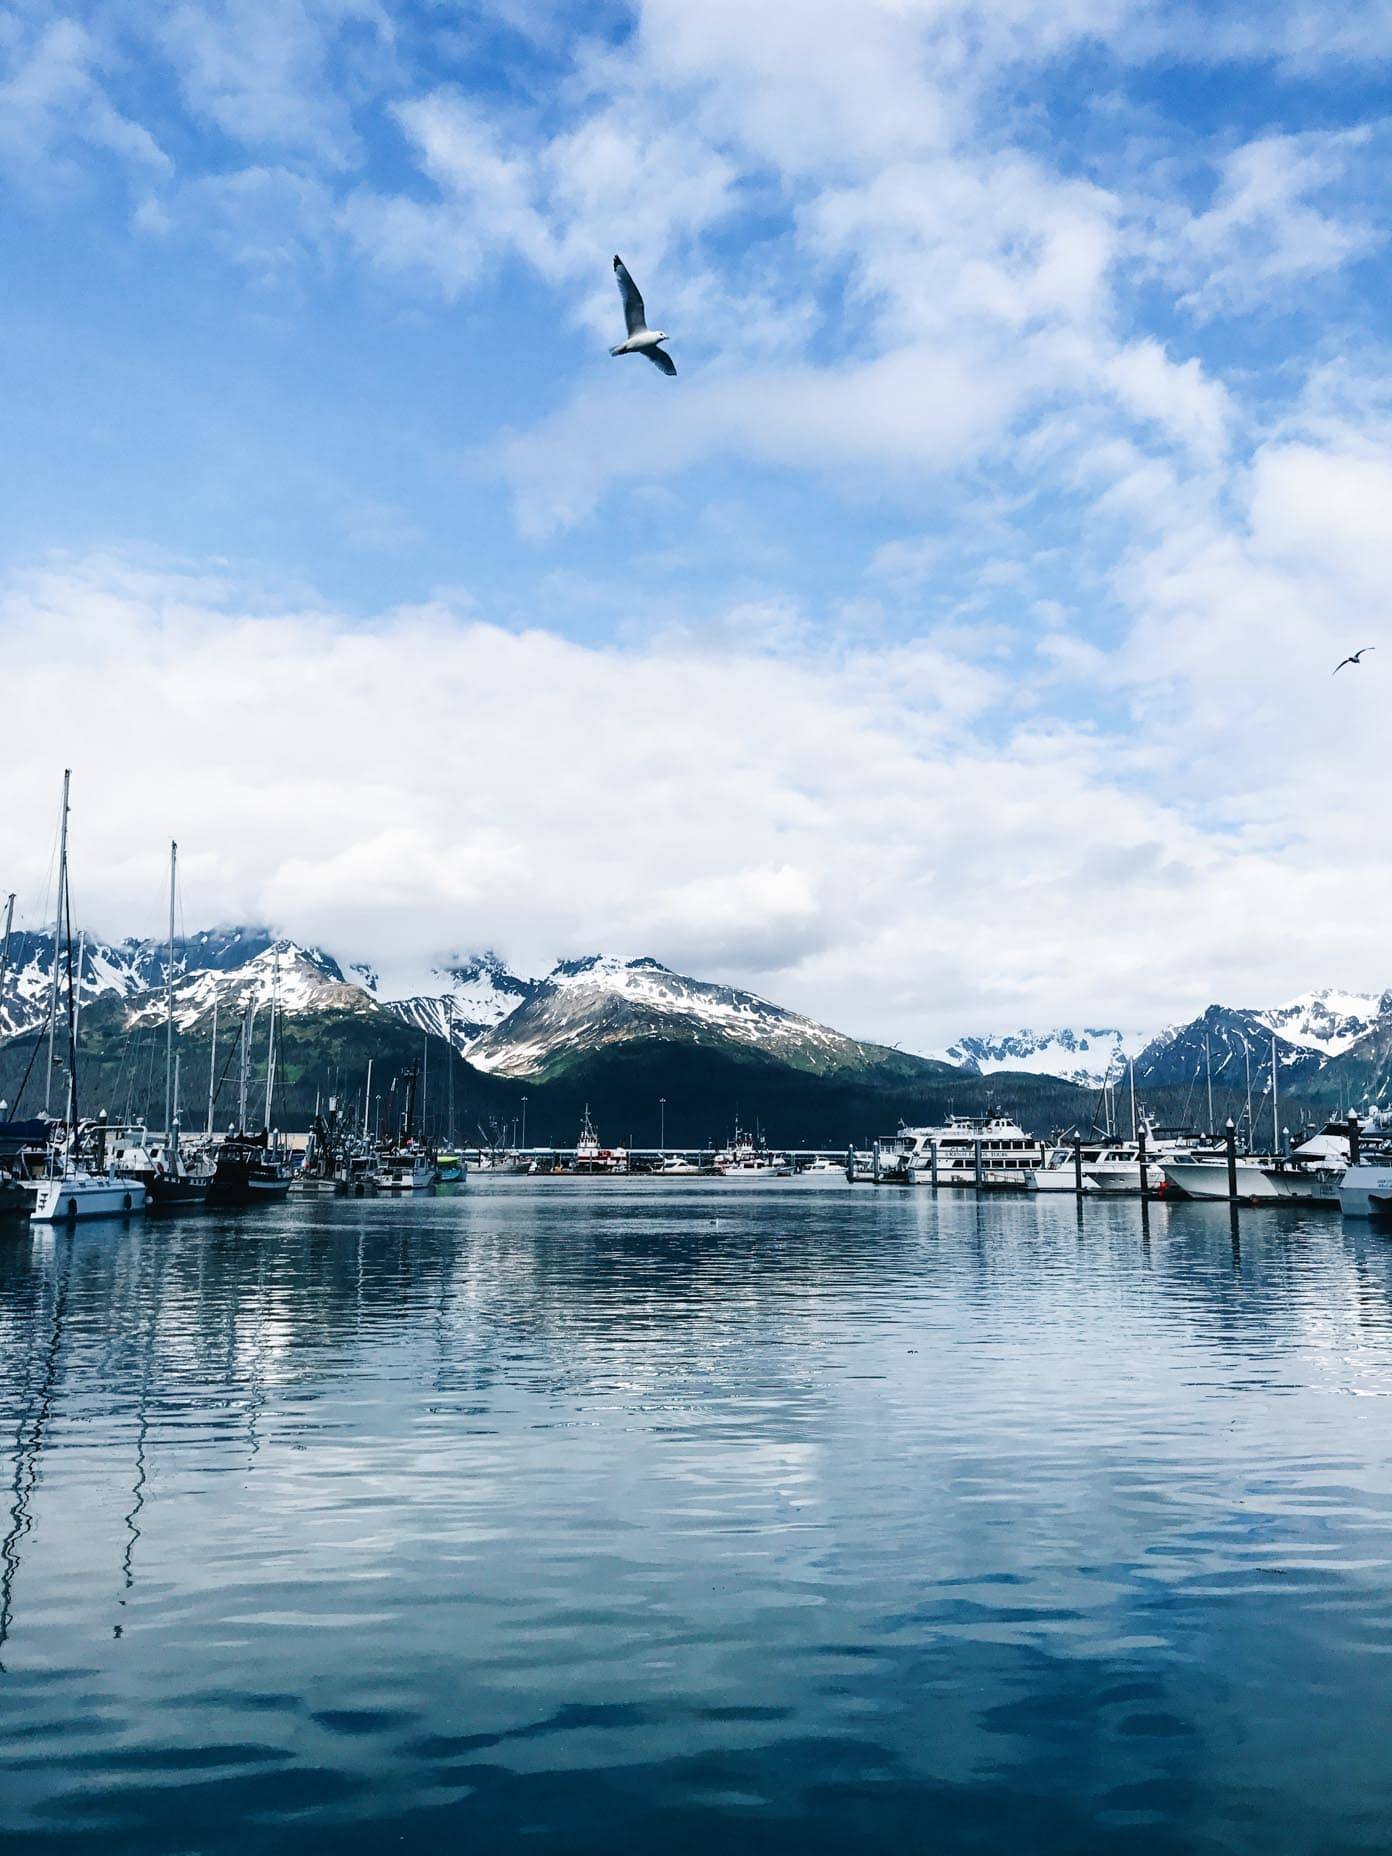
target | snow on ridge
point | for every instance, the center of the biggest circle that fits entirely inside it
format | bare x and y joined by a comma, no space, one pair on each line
1327,1019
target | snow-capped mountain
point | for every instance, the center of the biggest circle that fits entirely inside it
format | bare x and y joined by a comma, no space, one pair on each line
1328,1020
120,969
584,1005
1230,1044
1085,1055
300,979
1311,1031
459,999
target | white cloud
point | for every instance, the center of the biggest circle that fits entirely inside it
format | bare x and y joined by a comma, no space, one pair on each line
865,833
1287,209
53,101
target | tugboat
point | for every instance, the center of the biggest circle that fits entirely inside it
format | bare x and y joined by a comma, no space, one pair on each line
590,1157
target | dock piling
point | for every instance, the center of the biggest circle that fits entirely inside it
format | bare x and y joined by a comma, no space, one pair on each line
1230,1141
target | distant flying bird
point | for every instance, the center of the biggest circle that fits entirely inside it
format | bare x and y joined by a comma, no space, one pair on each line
641,339
1356,658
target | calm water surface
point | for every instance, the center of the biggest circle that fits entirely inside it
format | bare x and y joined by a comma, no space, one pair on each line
619,1517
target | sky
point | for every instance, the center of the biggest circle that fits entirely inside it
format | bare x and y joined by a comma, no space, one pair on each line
946,649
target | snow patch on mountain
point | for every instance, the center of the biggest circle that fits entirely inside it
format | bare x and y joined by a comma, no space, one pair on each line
1085,1055
299,979
1328,1020
599,1000
460,998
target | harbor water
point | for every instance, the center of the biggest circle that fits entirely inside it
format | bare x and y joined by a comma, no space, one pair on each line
646,1516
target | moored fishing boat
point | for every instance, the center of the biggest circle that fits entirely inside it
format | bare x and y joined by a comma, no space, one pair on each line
592,1159
745,1158
249,1169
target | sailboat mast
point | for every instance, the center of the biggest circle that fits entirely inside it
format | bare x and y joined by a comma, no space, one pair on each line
212,1067
367,1098
77,1004
1247,1064
1208,1065
1275,1106
270,1043
248,1014
5,946
72,991
57,937
169,1000
1132,1067
449,1039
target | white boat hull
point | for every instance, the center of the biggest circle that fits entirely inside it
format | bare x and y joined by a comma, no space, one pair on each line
64,1201
1366,1191
1208,1179
1058,1179
1124,1176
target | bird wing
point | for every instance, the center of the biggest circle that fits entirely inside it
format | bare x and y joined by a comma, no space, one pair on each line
660,358
1339,666
634,313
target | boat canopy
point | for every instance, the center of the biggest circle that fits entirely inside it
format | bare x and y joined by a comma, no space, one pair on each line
15,1135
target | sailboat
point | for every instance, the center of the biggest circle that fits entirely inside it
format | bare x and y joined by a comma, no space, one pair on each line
70,1190
248,1169
160,1166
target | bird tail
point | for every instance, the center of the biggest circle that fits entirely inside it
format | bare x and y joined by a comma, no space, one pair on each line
620,349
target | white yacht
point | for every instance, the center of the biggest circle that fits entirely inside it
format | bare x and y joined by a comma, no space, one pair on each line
675,1166
1365,1191
1309,1175
1059,1172
947,1156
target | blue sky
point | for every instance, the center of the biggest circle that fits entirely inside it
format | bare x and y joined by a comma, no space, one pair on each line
1026,472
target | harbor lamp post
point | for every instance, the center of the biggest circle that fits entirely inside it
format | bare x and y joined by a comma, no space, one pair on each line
524,1124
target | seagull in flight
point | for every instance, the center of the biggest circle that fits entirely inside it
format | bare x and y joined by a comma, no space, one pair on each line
641,339
1355,658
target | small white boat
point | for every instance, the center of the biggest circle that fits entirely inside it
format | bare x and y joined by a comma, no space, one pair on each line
75,1194
409,1170
1059,1172
672,1166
